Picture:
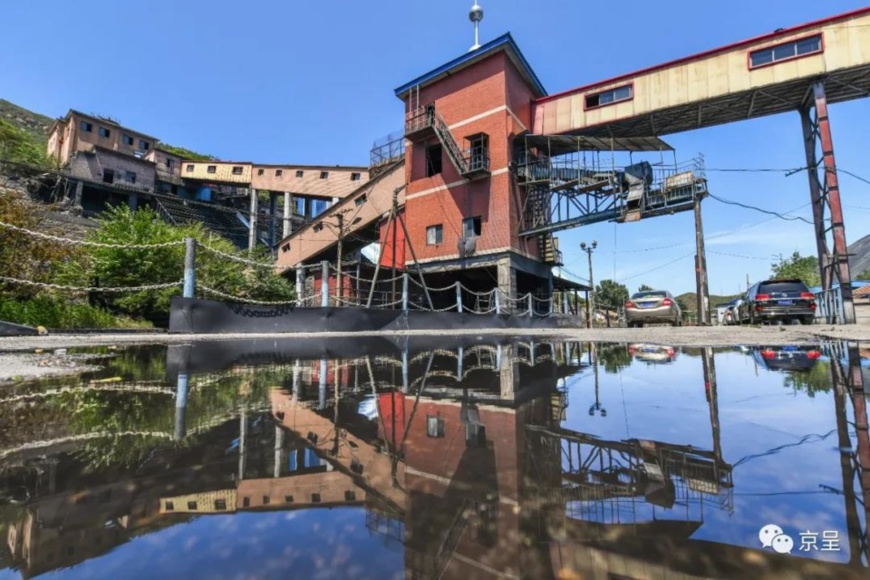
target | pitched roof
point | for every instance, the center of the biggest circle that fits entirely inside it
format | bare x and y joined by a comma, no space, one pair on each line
504,43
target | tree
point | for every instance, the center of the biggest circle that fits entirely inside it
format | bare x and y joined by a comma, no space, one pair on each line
610,294
865,275
120,267
645,288
19,147
803,268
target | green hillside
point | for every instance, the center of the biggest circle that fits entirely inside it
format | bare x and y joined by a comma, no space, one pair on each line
33,124
690,299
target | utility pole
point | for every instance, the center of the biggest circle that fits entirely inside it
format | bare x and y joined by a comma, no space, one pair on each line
589,249
701,268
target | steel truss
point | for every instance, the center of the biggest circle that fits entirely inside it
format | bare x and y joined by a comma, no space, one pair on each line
825,196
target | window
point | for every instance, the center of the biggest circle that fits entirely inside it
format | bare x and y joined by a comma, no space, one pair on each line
350,496
190,168
324,175
355,176
191,505
266,500
103,132
471,227
478,152
285,248
170,506
360,200
279,172
212,169
315,498
434,426
246,502
127,140
356,466
130,176
170,163
299,174
318,206
475,435
237,170
87,127
786,51
610,96
288,499
434,235
143,145
433,160
220,504
318,226
108,176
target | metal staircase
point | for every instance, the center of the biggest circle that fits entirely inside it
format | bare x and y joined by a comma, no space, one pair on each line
425,122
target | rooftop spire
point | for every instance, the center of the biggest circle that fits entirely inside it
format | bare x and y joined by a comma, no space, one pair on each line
476,15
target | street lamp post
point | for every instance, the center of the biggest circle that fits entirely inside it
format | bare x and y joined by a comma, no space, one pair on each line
589,249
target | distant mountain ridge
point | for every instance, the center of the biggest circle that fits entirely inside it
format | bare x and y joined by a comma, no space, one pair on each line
34,124
859,256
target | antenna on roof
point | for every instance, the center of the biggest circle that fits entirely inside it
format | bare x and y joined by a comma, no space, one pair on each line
476,15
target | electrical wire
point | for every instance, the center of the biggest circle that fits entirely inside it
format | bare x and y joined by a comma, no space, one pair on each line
737,255
632,277
758,209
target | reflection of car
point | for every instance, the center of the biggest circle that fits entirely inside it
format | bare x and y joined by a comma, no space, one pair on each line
654,306
787,358
778,300
652,353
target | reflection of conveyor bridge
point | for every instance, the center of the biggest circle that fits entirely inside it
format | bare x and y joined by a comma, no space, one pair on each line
566,185
603,479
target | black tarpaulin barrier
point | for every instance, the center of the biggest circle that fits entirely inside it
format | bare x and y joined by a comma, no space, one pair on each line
9,329
197,316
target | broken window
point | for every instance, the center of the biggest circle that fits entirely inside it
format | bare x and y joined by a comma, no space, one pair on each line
360,200
212,169
191,505
170,506
130,176
471,227
261,171
237,170
87,127
349,496
299,173
103,132
433,160
220,504
315,498
127,140
108,176
324,174
355,176
143,145
609,96
279,172
190,168
169,163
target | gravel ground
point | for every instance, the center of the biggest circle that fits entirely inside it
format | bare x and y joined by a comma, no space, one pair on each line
17,358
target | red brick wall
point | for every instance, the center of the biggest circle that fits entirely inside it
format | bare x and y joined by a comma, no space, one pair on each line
387,244
476,90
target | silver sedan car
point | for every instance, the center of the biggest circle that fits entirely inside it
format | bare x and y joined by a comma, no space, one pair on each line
653,307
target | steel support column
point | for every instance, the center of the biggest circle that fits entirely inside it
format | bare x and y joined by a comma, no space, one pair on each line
825,196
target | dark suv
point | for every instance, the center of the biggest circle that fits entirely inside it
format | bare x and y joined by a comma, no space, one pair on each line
778,300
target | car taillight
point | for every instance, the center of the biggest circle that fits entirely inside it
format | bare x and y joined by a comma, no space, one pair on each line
767,353
813,355
630,304
807,296
762,296
812,305
667,302
759,307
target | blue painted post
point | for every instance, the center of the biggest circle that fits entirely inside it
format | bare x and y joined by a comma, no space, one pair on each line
181,406
459,298
189,268
324,284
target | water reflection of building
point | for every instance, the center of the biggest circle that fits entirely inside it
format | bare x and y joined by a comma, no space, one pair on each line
461,461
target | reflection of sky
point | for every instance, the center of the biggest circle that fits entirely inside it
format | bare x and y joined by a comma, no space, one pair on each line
311,544
757,413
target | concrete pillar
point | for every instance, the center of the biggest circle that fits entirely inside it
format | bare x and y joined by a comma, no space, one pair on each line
133,201
507,284
80,187
288,213
300,284
252,226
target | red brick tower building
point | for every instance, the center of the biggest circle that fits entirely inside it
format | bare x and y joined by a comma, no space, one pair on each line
462,204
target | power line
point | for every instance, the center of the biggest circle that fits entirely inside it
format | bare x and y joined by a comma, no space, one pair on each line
737,255
657,267
758,209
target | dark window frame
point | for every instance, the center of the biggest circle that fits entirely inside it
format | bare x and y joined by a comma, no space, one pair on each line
144,145
355,176
211,169
438,231
438,427
128,140
299,174
772,49
324,175
279,173
476,226
189,168
108,176
434,163
130,176
86,127
238,170
597,95
103,132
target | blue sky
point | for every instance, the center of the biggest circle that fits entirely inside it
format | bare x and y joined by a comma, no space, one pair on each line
313,83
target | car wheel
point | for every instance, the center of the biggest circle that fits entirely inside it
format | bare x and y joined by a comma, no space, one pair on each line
808,320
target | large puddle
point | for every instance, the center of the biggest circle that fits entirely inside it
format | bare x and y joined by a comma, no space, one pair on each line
431,459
